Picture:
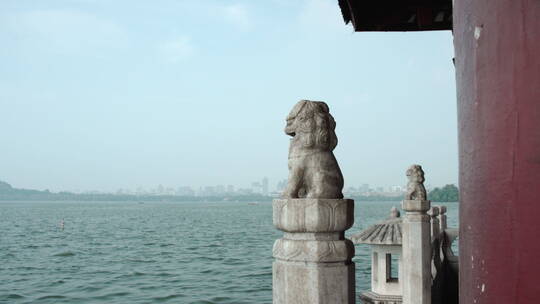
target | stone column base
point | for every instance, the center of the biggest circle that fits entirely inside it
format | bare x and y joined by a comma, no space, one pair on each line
313,259
309,283
371,297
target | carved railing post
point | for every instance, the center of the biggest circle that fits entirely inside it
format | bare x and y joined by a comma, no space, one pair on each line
416,241
313,261
436,267
435,225
442,218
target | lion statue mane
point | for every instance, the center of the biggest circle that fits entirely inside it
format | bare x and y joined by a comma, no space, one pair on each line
415,186
313,168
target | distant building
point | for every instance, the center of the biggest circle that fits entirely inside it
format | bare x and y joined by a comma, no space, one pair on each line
209,191
160,190
256,187
140,191
350,191
396,189
280,186
220,190
243,191
265,186
364,188
185,191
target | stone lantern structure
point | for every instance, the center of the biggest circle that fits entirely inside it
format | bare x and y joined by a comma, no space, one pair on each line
385,239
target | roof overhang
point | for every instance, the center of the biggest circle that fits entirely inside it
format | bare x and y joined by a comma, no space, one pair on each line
397,15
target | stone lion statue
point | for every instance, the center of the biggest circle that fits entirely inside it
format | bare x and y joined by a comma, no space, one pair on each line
415,186
313,168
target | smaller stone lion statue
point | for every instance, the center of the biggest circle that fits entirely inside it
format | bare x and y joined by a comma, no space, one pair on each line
313,168
415,186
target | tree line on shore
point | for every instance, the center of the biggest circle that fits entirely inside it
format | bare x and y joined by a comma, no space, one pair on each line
448,193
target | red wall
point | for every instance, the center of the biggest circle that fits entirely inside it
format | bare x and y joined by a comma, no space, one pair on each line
497,46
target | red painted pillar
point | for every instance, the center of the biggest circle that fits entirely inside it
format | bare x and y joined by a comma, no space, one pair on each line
497,44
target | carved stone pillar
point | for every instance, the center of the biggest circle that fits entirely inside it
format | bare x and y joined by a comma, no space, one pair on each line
313,259
436,266
442,218
416,252
435,225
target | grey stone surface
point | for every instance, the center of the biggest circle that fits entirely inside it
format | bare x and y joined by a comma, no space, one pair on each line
442,218
380,282
415,186
417,250
435,241
371,297
385,239
313,215
394,212
313,260
387,232
450,236
416,253
313,284
412,206
313,168
433,212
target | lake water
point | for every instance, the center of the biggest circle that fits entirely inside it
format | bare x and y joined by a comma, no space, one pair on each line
211,252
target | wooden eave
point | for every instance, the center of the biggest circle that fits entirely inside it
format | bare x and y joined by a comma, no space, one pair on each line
397,15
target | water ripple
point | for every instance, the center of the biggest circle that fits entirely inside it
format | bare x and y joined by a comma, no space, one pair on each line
215,252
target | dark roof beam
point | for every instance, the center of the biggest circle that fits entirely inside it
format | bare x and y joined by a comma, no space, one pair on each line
425,17
403,15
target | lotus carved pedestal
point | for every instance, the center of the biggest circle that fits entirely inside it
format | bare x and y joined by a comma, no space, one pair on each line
313,259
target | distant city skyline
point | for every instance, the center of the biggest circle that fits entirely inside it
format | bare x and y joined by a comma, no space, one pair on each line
272,186
263,187
101,95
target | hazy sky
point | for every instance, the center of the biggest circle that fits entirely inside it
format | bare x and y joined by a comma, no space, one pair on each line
100,95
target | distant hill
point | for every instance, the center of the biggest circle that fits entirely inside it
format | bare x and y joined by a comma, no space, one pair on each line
7,192
5,187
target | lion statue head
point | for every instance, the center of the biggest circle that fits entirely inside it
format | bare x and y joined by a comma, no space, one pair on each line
311,123
415,174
